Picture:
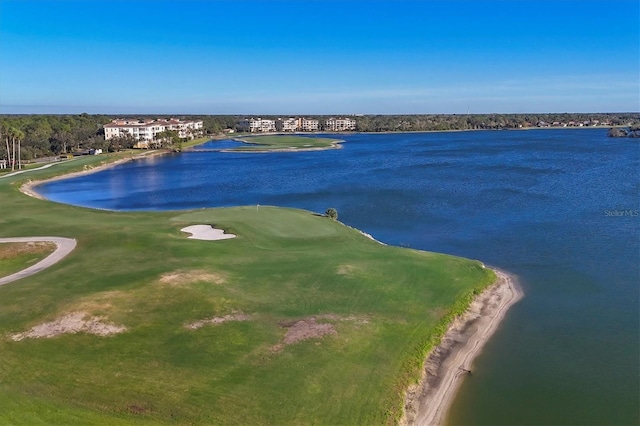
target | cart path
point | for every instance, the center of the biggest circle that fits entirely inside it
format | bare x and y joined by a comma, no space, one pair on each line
64,246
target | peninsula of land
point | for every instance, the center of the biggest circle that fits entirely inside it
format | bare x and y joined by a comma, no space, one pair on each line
358,263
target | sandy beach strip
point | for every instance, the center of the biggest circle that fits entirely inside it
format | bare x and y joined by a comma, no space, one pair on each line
428,402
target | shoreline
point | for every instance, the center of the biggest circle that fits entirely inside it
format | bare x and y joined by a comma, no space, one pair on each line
428,402
29,187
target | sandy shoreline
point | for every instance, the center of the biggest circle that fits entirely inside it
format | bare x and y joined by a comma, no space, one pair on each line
29,186
428,402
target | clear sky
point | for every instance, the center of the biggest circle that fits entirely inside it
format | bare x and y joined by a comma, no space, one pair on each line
319,56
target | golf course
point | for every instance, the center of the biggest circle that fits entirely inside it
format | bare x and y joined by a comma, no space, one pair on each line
268,143
298,320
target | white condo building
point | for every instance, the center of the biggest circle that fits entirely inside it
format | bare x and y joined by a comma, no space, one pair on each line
256,125
146,130
340,124
286,125
308,125
292,124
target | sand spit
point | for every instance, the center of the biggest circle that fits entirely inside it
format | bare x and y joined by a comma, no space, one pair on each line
428,402
72,323
207,233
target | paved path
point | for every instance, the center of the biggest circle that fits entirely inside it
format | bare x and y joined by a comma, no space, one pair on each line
64,247
46,166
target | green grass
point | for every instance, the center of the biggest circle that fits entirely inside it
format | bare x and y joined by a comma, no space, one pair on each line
284,143
15,257
285,265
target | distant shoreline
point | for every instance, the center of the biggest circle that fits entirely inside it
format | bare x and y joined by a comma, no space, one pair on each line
233,136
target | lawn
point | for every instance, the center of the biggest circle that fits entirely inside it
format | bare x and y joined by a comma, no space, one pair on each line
15,257
386,306
285,143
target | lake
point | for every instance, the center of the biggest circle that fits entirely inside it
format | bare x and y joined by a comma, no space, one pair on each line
558,208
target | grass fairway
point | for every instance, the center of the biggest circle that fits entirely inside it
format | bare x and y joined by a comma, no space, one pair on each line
387,307
284,143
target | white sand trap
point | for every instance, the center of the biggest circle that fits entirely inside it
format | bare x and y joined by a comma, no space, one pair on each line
74,322
206,232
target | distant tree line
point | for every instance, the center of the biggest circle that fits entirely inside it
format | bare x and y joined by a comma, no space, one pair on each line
47,135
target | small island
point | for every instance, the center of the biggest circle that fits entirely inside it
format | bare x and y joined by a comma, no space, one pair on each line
284,143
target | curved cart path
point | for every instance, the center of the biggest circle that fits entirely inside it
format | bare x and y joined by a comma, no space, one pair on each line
64,247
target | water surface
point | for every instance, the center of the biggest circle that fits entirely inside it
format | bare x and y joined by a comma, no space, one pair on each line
556,207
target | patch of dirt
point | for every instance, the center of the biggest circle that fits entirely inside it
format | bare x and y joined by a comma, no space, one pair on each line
303,330
310,328
72,323
101,302
335,317
307,329
10,250
189,277
345,269
218,320
136,409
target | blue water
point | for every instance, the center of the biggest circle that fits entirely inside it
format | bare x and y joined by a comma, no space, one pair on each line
556,207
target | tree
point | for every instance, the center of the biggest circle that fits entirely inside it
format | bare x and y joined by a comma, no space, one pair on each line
332,213
167,138
615,132
19,136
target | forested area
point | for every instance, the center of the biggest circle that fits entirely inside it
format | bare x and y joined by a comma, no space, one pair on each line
39,136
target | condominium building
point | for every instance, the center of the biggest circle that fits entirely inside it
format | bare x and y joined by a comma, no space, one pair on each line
295,124
146,130
340,124
256,125
286,125
308,125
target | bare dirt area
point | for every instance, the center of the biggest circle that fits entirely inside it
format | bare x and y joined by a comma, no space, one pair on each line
74,322
11,250
310,328
218,320
177,278
303,330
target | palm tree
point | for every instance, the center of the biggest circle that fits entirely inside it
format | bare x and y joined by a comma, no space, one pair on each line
19,135
12,132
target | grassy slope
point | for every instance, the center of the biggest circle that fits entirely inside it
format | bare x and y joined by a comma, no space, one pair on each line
284,142
15,257
285,264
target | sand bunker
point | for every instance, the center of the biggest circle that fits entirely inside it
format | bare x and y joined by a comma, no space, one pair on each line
206,232
218,320
72,323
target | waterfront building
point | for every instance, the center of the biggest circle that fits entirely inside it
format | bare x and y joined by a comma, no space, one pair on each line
254,125
286,125
145,131
308,125
340,124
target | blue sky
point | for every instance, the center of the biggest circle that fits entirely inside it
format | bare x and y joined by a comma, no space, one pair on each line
319,56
